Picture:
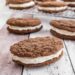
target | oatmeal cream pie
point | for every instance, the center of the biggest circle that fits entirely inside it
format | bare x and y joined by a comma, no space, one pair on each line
38,51
52,6
70,3
20,4
64,29
23,25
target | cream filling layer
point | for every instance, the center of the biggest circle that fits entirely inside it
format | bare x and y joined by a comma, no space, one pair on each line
71,8
52,8
37,60
23,5
70,2
63,32
24,28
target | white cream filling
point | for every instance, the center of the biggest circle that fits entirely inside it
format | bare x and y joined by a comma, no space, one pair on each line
71,8
24,28
23,5
51,8
70,2
36,60
63,32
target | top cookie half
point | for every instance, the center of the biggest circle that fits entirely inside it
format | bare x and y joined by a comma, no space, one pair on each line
52,4
37,47
23,22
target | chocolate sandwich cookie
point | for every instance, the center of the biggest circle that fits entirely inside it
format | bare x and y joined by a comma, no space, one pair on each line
70,3
38,51
23,25
64,29
52,6
20,4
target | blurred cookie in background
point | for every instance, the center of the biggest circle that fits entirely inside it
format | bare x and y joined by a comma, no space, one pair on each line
52,6
71,4
20,4
64,28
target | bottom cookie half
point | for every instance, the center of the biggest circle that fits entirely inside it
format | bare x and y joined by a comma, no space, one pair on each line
20,8
67,37
52,11
40,64
23,31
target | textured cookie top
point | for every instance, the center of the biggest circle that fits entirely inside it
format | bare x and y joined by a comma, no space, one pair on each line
23,22
64,24
52,4
36,47
18,1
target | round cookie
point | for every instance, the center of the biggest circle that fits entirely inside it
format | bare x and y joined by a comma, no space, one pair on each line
64,29
52,6
23,25
70,3
38,51
20,4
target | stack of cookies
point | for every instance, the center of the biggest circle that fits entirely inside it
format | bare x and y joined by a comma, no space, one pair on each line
38,51
51,6
20,4
70,3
